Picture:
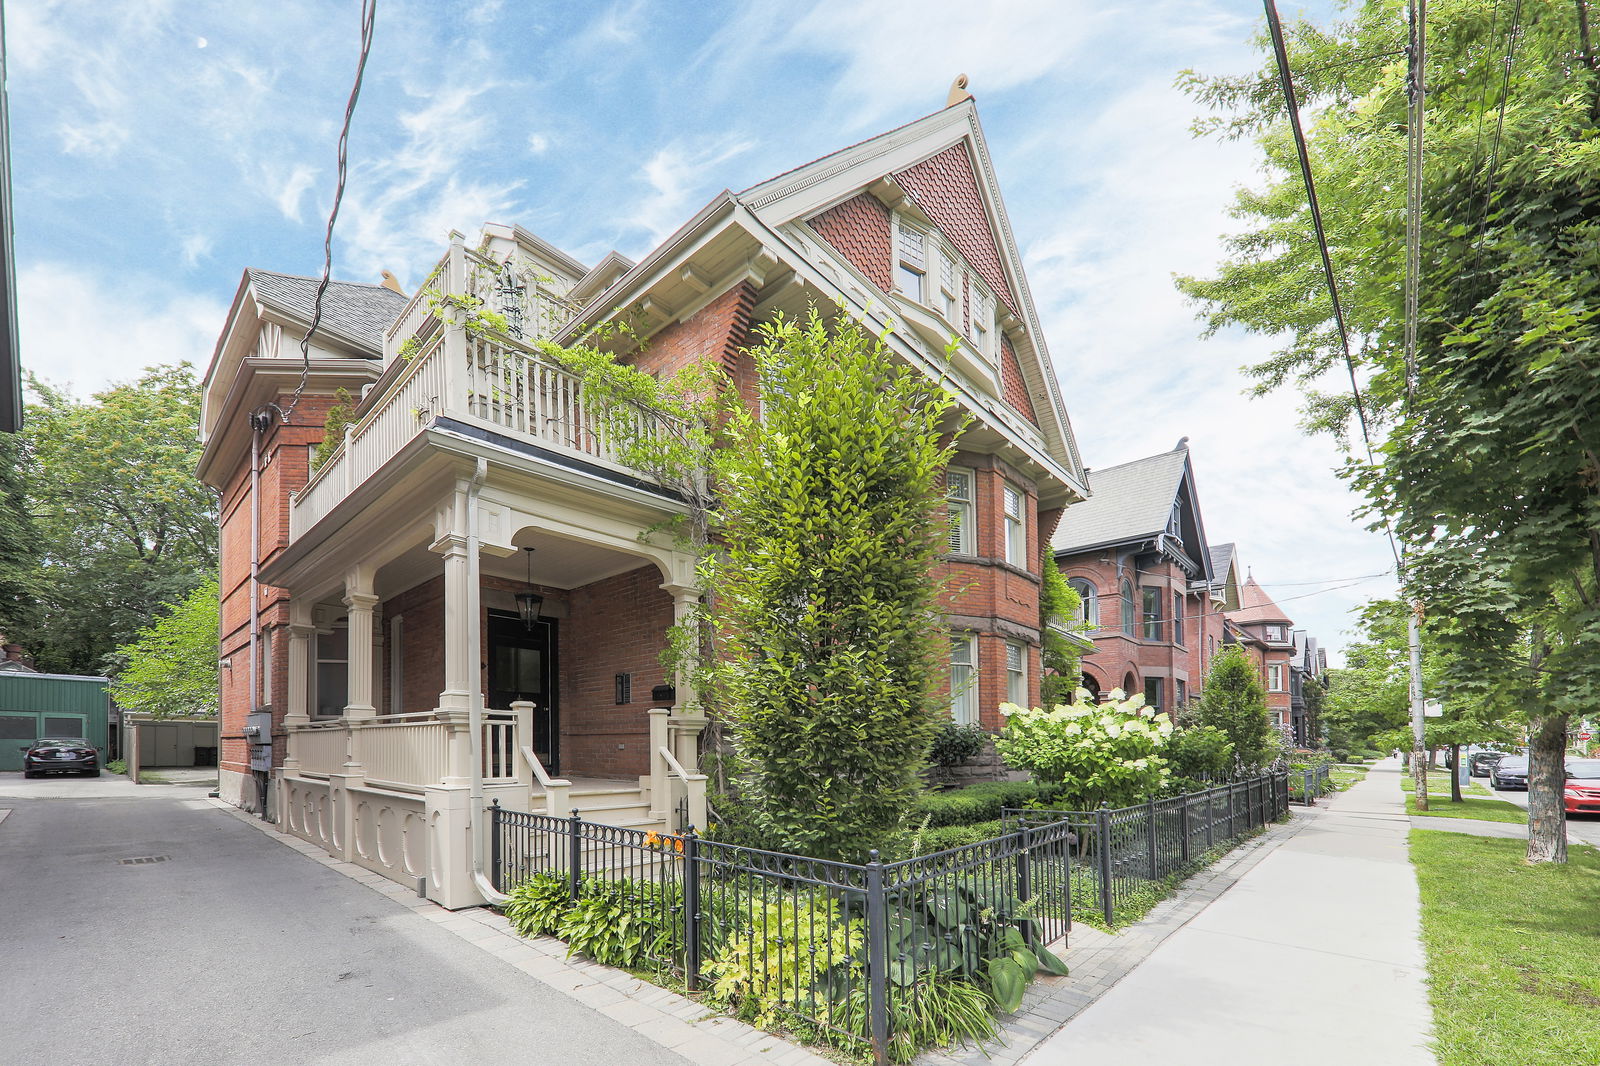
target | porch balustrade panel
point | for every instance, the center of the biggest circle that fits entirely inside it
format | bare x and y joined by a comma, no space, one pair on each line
319,748
406,752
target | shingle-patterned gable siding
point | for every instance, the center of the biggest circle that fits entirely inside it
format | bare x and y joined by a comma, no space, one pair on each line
945,187
858,229
1016,390
359,312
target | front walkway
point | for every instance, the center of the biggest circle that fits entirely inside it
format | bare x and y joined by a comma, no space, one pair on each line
1312,957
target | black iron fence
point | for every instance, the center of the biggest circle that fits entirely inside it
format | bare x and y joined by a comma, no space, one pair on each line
1306,783
1119,851
842,953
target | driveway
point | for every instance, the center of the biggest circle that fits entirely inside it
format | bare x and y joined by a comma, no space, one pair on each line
223,946
1579,827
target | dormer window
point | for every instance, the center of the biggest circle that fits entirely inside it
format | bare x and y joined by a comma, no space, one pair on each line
982,321
949,287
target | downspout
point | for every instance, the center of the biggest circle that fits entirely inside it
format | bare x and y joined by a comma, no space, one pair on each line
259,421
475,694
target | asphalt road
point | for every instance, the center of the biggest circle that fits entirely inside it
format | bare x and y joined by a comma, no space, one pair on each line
1582,827
235,949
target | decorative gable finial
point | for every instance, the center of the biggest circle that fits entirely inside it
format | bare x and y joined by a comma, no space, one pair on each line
1182,445
958,91
392,283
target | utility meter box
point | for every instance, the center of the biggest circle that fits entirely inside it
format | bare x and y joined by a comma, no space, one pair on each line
258,734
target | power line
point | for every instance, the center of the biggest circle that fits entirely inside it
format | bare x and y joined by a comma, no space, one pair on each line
1500,120
369,10
1292,104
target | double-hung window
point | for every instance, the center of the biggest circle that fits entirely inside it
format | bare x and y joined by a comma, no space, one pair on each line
1016,674
1152,613
982,321
1016,528
1090,611
911,270
1152,692
1130,621
1275,677
963,679
1177,618
949,288
958,485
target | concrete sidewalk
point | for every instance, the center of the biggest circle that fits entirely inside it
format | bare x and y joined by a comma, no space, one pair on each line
1312,957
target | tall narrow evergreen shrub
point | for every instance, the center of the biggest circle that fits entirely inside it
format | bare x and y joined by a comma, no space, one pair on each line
831,646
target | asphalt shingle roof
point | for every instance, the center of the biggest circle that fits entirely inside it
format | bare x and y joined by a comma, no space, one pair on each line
1221,556
1256,606
1130,501
351,309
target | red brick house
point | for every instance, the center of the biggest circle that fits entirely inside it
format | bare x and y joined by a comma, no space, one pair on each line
463,601
1267,636
1153,589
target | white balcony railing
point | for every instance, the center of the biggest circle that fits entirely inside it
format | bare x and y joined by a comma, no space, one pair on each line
485,379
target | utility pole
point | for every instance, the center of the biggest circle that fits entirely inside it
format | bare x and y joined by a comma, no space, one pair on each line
1416,84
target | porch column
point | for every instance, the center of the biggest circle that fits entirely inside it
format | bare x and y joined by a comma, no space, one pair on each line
689,719
301,634
360,604
460,602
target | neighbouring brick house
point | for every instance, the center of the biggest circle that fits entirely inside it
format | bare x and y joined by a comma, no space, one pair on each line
1161,602
1153,594
465,600
1267,636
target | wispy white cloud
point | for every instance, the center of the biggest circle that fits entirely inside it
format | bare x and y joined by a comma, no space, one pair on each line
195,247
288,190
675,176
139,325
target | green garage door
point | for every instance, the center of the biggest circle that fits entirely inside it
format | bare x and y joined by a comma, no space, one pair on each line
19,729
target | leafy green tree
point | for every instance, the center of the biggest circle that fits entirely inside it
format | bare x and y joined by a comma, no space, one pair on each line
19,547
1234,703
1060,607
123,524
1198,755
170,669
1488,454
1315,695
1097,753
830,644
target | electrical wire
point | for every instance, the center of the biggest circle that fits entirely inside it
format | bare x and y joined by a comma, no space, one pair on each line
369,10
1292,104
1513,37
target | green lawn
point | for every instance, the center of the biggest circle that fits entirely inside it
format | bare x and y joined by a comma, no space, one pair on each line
1513,970
1343,776
1440,782
1485,810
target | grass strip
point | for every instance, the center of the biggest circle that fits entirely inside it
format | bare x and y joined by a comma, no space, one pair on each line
1484,810
1513,973
1440,783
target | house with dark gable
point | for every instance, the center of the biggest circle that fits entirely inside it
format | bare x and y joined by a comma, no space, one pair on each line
1160,601
464,602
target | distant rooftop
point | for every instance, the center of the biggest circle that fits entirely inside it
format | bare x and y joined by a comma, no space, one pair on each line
355,311
1129,502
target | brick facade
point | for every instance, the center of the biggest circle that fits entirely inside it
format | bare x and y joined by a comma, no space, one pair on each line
1013,387
946,187
859,229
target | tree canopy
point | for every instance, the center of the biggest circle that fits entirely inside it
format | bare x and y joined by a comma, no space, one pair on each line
121,523
1485,458
170,669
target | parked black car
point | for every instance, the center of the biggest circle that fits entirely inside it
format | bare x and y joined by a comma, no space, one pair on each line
1483,761
1510,773
61,755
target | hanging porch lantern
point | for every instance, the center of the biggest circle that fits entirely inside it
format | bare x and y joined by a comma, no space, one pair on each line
530,602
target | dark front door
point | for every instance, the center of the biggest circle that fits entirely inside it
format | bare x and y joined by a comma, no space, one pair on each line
522,666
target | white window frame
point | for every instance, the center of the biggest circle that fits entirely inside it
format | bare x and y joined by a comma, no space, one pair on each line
1275,677
948,284
1089,597
1017,673
316,671
963,509
911,257
1016,519
963,679
981,325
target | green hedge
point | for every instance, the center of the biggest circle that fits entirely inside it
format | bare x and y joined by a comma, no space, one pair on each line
954,836
975,803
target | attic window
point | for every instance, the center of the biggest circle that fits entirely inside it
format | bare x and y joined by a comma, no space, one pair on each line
911,269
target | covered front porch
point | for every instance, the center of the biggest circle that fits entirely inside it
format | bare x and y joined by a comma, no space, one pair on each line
481,628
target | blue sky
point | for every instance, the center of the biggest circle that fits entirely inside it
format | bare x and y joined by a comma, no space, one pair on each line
161,147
